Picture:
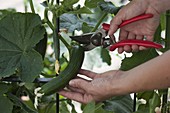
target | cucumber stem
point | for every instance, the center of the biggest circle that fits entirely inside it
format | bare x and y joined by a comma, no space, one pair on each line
32,6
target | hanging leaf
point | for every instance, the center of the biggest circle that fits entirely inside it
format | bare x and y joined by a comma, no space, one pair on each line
138,58
92,3
19,33
105,56
119,104
70,22
109,7
83,10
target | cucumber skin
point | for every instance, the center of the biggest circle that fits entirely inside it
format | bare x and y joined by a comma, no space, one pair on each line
75,63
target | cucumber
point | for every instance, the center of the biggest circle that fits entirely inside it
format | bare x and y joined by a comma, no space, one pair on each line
74,65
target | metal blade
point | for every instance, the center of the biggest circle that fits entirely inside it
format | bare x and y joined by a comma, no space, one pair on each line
82,39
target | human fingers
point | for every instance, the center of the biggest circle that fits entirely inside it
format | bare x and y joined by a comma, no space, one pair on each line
76,89
123,34
79,97
128,48
135,48
87,73
80,83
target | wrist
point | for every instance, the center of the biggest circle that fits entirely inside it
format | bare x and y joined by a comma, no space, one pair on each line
160,5
119,87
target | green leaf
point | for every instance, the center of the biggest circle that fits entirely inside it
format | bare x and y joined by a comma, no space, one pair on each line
138,58
145,110
6,105
83,10
109,7
86,28
63,63
105,56
119,104
157,35
145,95
68,3
19,33
42,46
63,107
99,109
18,102
92,3
163,21
4,87
70,22
89,108
5,12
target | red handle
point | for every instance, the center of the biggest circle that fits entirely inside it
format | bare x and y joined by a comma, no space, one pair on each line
131,42
134,19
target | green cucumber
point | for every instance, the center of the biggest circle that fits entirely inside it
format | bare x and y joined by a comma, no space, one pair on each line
74,65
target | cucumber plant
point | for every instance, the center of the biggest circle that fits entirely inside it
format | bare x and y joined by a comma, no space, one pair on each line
24,38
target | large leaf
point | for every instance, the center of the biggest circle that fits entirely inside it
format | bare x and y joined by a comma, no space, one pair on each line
70,22
138,58
5,12
109,7
119,104
92,3
19,33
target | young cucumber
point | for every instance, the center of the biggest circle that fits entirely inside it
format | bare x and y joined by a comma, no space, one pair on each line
75,63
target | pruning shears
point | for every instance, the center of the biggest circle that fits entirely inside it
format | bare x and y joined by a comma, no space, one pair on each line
99,38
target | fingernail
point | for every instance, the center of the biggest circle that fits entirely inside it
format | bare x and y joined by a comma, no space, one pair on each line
71,82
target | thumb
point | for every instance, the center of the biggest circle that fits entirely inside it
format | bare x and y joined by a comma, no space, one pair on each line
79,83
114,25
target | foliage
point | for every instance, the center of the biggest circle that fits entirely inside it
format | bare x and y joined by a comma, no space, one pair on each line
24,38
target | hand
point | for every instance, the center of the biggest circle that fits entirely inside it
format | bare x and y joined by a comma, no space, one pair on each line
137,30
101,87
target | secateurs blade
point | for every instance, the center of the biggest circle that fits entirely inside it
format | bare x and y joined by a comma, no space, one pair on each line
99,38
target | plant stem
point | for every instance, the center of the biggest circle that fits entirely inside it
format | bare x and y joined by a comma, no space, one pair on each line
47,19
55,37
99,22
32,6
52,1
65,43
